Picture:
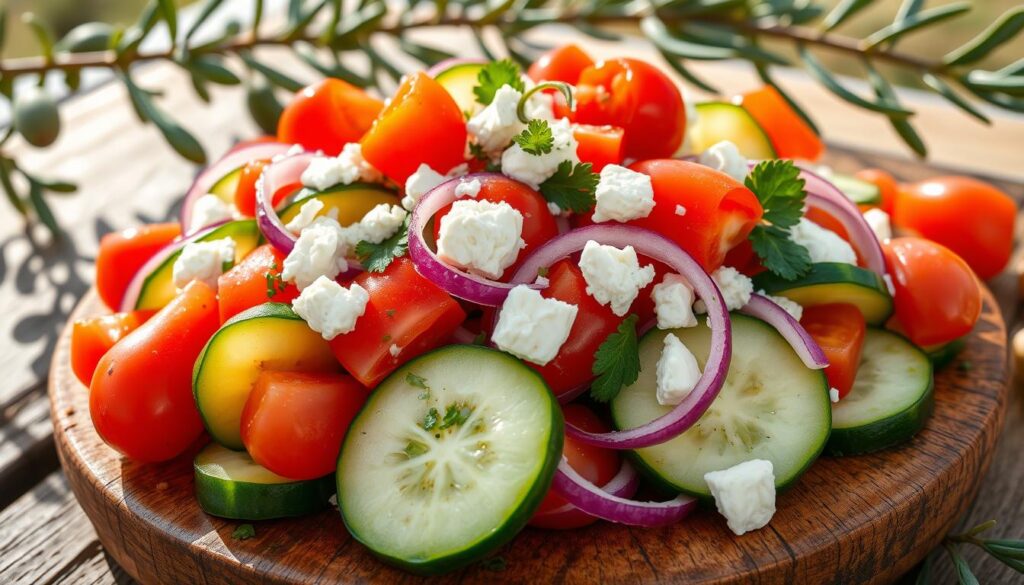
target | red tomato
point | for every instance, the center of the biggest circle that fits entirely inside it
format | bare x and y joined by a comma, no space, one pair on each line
422,124
91,338
887,186
538,224
599,145
245,192
249,283
328,115
123,253
937,296
970,217
564,63
839,330
406,312
790,135
595,464
293,423
140,398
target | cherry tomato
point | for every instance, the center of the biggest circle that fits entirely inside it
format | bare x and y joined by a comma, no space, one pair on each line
595,464
839,330
254,281
245,192
564,63
407,315
140,397
328,115
937,298
790,135
970,217
421,125
639,98
887,186
293,423
599,145
123,253
91,338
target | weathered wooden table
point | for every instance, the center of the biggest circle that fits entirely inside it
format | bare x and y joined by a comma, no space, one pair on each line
127,175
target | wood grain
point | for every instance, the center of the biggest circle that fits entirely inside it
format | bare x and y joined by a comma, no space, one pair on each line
864,519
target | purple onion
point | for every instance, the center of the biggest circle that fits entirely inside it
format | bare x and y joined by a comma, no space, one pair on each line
802,343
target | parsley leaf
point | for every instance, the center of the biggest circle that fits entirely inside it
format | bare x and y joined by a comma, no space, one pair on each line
778,253
779,188
243,532
494,75
616,362
377,257
572,188
536,138
275,283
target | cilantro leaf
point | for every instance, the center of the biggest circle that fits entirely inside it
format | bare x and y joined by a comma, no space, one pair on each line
243,532
778,253
616,362
494,75
780,190
536,138
572,188
377,257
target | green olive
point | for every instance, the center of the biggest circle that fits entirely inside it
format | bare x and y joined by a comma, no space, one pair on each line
87,37
36,116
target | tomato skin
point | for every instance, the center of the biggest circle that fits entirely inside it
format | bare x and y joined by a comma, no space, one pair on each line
140,398
327,115
789,134
246,284
839,330
887,186
639,98
599,145
422,124
564,63
970,217
938,298
595,464
93,337
122,253
294,422
245,192
405,310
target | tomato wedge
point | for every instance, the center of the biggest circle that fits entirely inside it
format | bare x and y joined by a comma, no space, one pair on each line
328,115
564,63
91,338
245,192
599,145
123,253
839,329
254,281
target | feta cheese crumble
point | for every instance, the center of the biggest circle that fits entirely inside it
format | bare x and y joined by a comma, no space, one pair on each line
535,169
724,156
468,188
677,372
623,195
823,245
532,327
307,213
614,276
833,395
329,308
346,168
419,184
879,223
496,125
319,251
795,309
744,494
481,237
735,287
208,210
203,261
673,302
379,224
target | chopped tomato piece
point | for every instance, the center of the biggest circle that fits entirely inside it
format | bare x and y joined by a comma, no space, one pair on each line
599,145
790,135
328,115
887,186
254,281
839,330
564,63
123,253
245,192
93,337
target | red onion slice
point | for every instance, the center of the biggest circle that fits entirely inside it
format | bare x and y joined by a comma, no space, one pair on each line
623,485
802,343
275,176
234,158
594,501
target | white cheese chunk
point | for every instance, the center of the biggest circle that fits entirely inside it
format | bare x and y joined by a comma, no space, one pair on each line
879,223
494,126
203,261
208,210
468,188
725,157
833,395
823,245
319,251
534,169
744,494
419,184
677,372
614,277
735,287
379,224
795,309
329,308
673,302
532,327
623,195
307,213
346,168
481,237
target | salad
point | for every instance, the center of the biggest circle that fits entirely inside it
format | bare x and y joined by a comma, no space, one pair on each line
499,299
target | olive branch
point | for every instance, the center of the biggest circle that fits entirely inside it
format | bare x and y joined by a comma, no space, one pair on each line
322,32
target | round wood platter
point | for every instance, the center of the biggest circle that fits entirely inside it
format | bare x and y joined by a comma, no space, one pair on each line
865,519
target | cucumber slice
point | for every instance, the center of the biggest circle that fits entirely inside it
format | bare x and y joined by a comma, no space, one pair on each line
771,407
266,337
860,192
942,354
834,282
158,288
230,484
459,80
434,501
718,121
352,201
226,186
891,399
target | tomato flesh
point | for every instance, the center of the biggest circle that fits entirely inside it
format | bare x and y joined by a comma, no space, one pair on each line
122,253
839,330
254,281
245,192
328,115
564,63
599,145
790,135
888,188
91,338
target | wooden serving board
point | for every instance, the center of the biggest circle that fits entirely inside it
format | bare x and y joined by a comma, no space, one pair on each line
866,519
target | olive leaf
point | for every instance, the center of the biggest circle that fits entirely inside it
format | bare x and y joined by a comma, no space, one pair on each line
1002,30
916,21
844,10
945,90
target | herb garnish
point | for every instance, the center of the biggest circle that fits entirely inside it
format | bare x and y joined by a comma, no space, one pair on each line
536,138
779,188
377,257
572,187
244,532
616,362
494,75
275,283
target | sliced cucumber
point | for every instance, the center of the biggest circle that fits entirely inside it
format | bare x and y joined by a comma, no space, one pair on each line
860,192
226,186
266,337
834,282
230,484
942,354
771,407
158,288
449,458
891,397
718,121
352,201
459,80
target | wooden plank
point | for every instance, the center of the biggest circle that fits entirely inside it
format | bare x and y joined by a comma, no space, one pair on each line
26,445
